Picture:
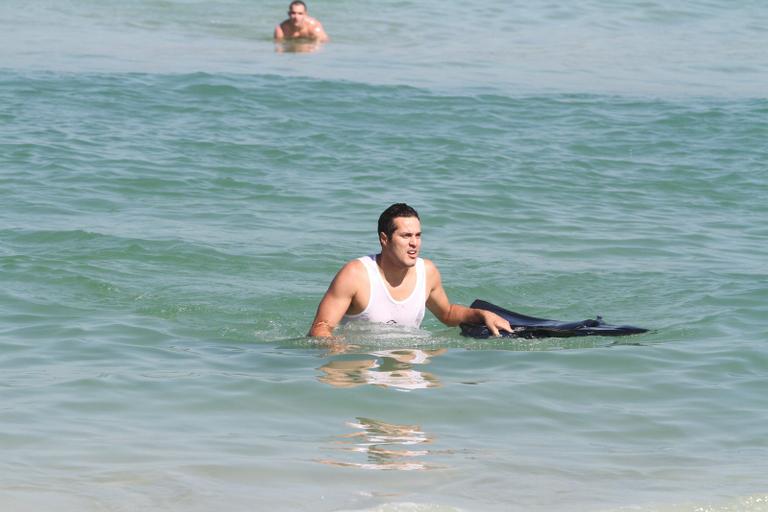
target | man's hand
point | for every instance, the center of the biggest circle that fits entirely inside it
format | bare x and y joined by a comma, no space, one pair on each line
494,322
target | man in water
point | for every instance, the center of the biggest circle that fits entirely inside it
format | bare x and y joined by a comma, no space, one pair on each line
300,25
394,286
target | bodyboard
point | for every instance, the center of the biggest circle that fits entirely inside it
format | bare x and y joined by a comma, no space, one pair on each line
524,326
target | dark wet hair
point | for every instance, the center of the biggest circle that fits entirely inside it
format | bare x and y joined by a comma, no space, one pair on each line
388,216
298,2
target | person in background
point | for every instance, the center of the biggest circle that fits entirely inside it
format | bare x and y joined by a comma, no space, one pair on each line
300,26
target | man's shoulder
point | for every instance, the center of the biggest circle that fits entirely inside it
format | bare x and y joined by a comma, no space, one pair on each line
315,25
350,277
430,269
355,264
353,268
429,265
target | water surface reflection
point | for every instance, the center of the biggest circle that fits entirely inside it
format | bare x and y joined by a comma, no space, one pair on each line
385,446
396,369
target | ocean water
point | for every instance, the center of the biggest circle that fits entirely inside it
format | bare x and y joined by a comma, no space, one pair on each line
176,195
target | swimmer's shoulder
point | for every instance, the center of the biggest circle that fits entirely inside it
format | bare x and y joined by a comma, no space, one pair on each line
353,269
350,277
315,25
431,273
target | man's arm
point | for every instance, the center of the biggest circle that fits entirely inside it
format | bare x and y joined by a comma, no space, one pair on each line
279,33
337,299
454,314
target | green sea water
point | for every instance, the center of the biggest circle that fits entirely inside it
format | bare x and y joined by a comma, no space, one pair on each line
169,221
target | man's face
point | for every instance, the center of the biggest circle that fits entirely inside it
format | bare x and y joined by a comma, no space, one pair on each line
297,14
404,244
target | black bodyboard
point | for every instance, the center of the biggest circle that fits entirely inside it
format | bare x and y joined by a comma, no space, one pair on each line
524,326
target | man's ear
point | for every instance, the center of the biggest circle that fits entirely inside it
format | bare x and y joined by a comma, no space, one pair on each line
383,239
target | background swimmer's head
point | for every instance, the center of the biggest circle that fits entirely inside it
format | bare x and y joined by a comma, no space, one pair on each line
388,216
297,10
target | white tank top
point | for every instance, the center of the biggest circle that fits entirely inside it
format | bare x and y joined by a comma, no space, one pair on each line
382,308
